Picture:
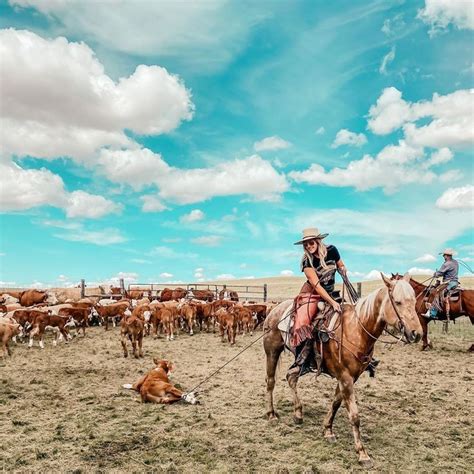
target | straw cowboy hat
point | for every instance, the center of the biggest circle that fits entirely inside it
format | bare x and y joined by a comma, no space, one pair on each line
311,233
449,251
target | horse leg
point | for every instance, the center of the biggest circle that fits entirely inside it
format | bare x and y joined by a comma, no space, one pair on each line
329,420
346,386
273,355
298,406
426,343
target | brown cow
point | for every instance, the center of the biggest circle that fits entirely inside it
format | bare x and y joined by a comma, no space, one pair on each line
132,327
135,294
9,328
166,294
203,295
187,311
80,317
227,324
41,321
259,312
32,297
167,319
155,386
114,311
179,293
244,317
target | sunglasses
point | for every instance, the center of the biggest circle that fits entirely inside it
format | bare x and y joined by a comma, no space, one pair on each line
309,243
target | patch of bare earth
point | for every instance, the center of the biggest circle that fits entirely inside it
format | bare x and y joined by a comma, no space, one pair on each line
63,410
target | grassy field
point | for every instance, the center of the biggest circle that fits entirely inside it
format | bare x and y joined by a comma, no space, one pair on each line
63,410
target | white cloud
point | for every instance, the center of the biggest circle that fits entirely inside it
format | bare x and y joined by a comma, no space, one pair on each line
372,275
22,189
152,204
457,198
198,275
440,157
420,271
387,59
141,261
201,35
101,237
194,216
346,137
320,131
271,143
252,176
166,275
208,240
226,276
82,204
169,253
128,277
426,258
76,108
392,26
287,273
439,14
199,269
136,167
450,124
394,166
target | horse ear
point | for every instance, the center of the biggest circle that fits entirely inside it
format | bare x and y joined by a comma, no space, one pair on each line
386,280
406,277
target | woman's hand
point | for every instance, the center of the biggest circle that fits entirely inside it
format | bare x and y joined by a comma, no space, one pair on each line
335,306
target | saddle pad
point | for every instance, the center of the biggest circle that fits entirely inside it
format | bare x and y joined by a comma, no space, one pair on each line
285,323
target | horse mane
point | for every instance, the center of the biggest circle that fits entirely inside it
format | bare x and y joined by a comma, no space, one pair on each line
403,290
365,306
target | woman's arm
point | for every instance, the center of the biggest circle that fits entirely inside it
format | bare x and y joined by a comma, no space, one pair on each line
341,267
314,280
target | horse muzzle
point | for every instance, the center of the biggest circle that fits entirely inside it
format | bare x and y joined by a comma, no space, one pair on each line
411,336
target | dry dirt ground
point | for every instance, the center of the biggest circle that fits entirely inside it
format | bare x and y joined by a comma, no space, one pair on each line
63,410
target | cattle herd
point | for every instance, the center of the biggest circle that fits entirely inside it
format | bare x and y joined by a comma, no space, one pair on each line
27,315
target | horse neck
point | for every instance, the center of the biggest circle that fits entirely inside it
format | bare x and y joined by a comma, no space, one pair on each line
417,287
372,322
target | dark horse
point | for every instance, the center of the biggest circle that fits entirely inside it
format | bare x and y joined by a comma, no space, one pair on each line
464,306
348,352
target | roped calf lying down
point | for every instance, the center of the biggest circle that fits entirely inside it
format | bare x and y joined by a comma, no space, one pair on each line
155,386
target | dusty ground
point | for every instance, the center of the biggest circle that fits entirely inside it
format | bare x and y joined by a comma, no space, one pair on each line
63,410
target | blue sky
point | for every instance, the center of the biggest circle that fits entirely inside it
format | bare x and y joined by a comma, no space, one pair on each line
178,141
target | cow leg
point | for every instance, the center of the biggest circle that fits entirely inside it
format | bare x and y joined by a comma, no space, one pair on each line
134,346
106,323
172,331
33,333
124,344
140,344
41,340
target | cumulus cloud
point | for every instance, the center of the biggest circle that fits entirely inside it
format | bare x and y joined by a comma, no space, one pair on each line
76,108
82,204
208,240
372,275
387,59
420,271
457,198
450,124
271,143
102,237
194,216
152,204
346,137
22,189
320,131
287,273
166,275
394,166
439,14
426,258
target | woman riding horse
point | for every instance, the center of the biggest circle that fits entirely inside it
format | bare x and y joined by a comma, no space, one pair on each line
319,264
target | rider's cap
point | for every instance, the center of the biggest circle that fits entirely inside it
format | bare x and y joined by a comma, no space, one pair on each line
447,252
311,233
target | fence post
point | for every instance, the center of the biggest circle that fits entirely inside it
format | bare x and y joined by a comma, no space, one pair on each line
122,286
83,288
359,288
264,292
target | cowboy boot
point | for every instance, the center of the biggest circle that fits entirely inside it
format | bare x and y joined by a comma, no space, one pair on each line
304,359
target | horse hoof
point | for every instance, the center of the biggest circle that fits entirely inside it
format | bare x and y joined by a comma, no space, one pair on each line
330,439
366,463
297,420
272,416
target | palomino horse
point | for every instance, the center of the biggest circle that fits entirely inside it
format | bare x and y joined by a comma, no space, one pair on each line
464,306
361,326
